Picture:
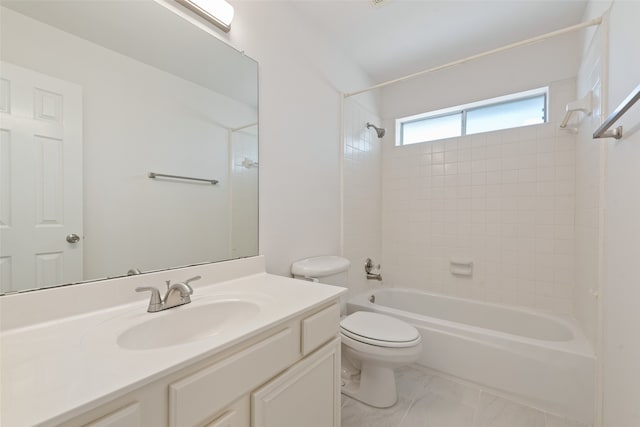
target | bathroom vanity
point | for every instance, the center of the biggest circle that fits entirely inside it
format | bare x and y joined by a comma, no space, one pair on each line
251,349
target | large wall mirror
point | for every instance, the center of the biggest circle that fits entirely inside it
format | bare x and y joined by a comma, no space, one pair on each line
97,95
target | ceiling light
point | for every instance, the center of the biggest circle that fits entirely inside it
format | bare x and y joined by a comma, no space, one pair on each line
218,12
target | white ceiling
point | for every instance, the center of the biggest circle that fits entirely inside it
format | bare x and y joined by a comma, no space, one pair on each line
399,37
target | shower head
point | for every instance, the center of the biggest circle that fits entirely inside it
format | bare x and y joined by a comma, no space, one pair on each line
379,131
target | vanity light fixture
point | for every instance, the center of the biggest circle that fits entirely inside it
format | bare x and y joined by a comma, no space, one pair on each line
218,12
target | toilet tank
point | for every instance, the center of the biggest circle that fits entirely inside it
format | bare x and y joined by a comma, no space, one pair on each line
328,269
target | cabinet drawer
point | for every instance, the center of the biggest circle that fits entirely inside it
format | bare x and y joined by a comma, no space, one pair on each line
319,328
194,399
126,417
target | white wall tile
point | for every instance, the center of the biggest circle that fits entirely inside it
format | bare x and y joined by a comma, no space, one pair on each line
362,191
505,199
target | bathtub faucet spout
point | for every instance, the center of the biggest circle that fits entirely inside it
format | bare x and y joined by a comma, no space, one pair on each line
377,277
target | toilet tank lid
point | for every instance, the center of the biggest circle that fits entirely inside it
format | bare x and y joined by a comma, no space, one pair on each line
320,266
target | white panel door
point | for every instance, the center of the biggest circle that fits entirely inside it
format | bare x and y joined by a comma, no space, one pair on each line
41,173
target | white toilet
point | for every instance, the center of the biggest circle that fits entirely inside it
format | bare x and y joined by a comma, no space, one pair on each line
373,344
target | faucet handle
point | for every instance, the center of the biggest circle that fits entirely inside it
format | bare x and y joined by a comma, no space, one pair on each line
189,287
368,266
186,282
155,303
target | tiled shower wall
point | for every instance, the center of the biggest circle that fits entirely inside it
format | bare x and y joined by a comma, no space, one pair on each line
504,200
362,192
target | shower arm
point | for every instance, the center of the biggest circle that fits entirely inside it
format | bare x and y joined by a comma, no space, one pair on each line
379,131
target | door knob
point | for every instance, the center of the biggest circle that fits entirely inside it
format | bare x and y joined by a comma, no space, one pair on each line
73,238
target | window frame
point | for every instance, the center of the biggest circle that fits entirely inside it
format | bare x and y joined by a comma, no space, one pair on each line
463,109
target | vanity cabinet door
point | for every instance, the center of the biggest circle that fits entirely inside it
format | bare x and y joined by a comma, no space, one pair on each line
229,419
307,394
236,415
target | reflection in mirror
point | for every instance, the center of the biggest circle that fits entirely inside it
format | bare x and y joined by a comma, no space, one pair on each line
96,95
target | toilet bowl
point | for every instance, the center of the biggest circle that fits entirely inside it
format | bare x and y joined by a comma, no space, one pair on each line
373,345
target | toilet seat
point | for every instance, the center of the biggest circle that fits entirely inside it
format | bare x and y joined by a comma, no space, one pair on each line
379,330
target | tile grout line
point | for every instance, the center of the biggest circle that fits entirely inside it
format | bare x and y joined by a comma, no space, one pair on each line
406,412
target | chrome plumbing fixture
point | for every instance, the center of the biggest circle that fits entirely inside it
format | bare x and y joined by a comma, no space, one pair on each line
177,294
379,131
369,269
604,130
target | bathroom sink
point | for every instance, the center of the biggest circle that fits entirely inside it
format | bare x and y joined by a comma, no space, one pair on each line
186,324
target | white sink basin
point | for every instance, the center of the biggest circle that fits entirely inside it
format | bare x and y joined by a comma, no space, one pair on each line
186,323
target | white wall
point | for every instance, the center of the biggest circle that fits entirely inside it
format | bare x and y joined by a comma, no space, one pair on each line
590,164
621,288
131,111
301,77
503,199
608,171
500,74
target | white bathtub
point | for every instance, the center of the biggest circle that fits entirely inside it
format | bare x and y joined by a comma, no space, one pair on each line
539,359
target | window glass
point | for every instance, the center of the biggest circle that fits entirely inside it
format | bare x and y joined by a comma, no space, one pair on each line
506,115
432,128
505,112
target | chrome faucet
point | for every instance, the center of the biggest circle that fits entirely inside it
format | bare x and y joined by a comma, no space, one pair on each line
373,272
177,294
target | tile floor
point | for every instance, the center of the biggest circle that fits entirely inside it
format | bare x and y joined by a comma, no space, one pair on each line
429,399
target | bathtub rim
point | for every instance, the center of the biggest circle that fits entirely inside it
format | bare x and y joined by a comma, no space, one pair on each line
578,344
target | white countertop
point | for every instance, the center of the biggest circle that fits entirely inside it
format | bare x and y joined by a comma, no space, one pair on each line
55,370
